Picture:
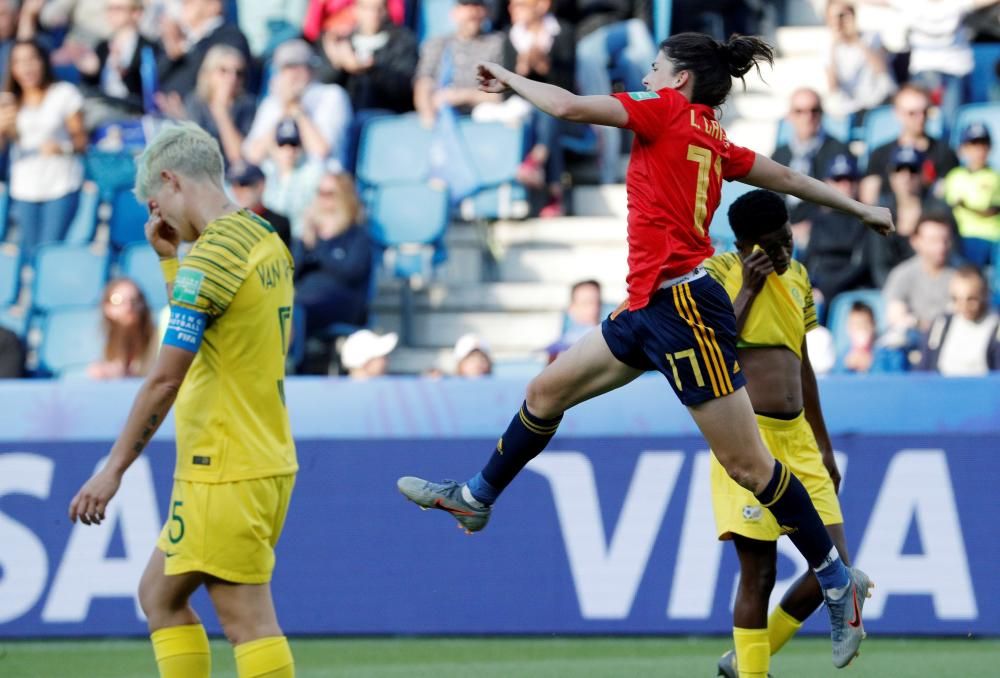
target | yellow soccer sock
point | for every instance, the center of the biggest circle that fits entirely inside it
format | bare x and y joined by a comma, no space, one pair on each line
781,626
182,652
265,658
753,654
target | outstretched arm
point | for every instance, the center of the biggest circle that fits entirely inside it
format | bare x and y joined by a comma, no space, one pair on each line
557,102
773,176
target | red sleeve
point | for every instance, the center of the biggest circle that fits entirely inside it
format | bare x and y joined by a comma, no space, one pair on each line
312,25
738,163
648,112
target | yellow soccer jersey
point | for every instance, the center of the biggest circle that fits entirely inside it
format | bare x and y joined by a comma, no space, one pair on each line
783,311
231,419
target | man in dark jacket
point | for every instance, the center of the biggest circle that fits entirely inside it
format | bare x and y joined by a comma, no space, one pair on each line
375,63
837,256
809,149
184,44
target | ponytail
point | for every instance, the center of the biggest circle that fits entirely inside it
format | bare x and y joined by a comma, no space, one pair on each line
714,64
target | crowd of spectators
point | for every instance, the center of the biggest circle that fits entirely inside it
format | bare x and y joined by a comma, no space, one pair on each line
286,86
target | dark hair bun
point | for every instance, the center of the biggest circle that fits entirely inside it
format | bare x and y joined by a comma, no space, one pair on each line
743,52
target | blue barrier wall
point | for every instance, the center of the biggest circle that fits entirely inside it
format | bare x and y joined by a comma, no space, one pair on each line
610,531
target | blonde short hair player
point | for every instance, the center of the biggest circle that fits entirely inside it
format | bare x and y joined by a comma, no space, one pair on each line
222,366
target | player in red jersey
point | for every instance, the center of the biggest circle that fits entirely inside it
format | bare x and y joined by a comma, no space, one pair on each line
677,320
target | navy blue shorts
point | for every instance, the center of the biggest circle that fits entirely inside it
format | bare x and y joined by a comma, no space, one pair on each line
687,332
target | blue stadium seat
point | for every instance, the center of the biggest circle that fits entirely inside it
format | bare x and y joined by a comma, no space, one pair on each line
128,219
719,230
71,340
67,275
989,115
10,274
394,149
841,305
434,18
140,263
995,276
84,224
4,211
403,215
984,76
111,171
881,127
836,126
496,151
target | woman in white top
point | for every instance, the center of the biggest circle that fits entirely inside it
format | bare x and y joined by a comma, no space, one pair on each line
42,120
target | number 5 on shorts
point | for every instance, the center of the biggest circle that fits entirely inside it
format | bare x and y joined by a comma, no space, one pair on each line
680,355
174,518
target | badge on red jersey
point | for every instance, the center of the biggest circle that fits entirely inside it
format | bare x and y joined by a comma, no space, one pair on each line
642,96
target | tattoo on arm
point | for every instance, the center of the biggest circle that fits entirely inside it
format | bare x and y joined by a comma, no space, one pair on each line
140,444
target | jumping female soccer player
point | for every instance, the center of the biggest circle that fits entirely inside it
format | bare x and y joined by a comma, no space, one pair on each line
677,320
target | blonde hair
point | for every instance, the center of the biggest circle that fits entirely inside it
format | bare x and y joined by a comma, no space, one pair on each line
213,57
184,148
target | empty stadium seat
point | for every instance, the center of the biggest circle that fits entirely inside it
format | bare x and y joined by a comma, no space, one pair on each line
71,340
841,306
15,320
495,150
10,274
84,224
111,171
989,115
67,275
140,263
4,211
128,219
434,19
838,127
995,275
881,126
983,76
394,149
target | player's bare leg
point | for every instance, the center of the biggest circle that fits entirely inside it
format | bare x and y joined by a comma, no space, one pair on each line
179,640
585,371
248,618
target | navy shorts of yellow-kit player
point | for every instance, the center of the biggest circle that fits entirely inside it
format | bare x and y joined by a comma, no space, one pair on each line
687,332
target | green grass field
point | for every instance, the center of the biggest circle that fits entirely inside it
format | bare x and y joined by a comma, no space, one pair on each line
514,657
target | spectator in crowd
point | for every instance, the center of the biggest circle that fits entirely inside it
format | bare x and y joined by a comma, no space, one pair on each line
542,48
322,113
292,176
612,33
911,106
185,40
916,291
111,76
366,355
83,20
266,23
865,353
8,33
130,338
857,66
965,343
809,150
42,120
909,197
472,357
582,315
333,257
940,53
973,191
837,258
339,17
247,184
11,355
219,104
375,63
446,72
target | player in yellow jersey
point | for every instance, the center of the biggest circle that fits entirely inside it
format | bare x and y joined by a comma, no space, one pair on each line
222,365
772,299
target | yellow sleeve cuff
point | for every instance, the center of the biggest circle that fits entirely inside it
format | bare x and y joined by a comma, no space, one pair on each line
169,267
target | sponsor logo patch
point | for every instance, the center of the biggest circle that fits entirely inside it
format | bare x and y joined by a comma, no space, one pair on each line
187,285
643,96
752,513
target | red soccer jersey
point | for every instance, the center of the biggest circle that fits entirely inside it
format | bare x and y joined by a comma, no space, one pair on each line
679,158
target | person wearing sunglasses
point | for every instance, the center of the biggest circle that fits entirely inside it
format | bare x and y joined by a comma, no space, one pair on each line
966,341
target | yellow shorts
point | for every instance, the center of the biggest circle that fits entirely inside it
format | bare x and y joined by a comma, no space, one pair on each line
227,530
793,444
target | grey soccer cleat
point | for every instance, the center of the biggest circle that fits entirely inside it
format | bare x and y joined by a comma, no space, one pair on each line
727,666
846,628
446,496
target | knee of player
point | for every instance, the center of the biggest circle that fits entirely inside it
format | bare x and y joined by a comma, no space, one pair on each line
742,474
541,400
